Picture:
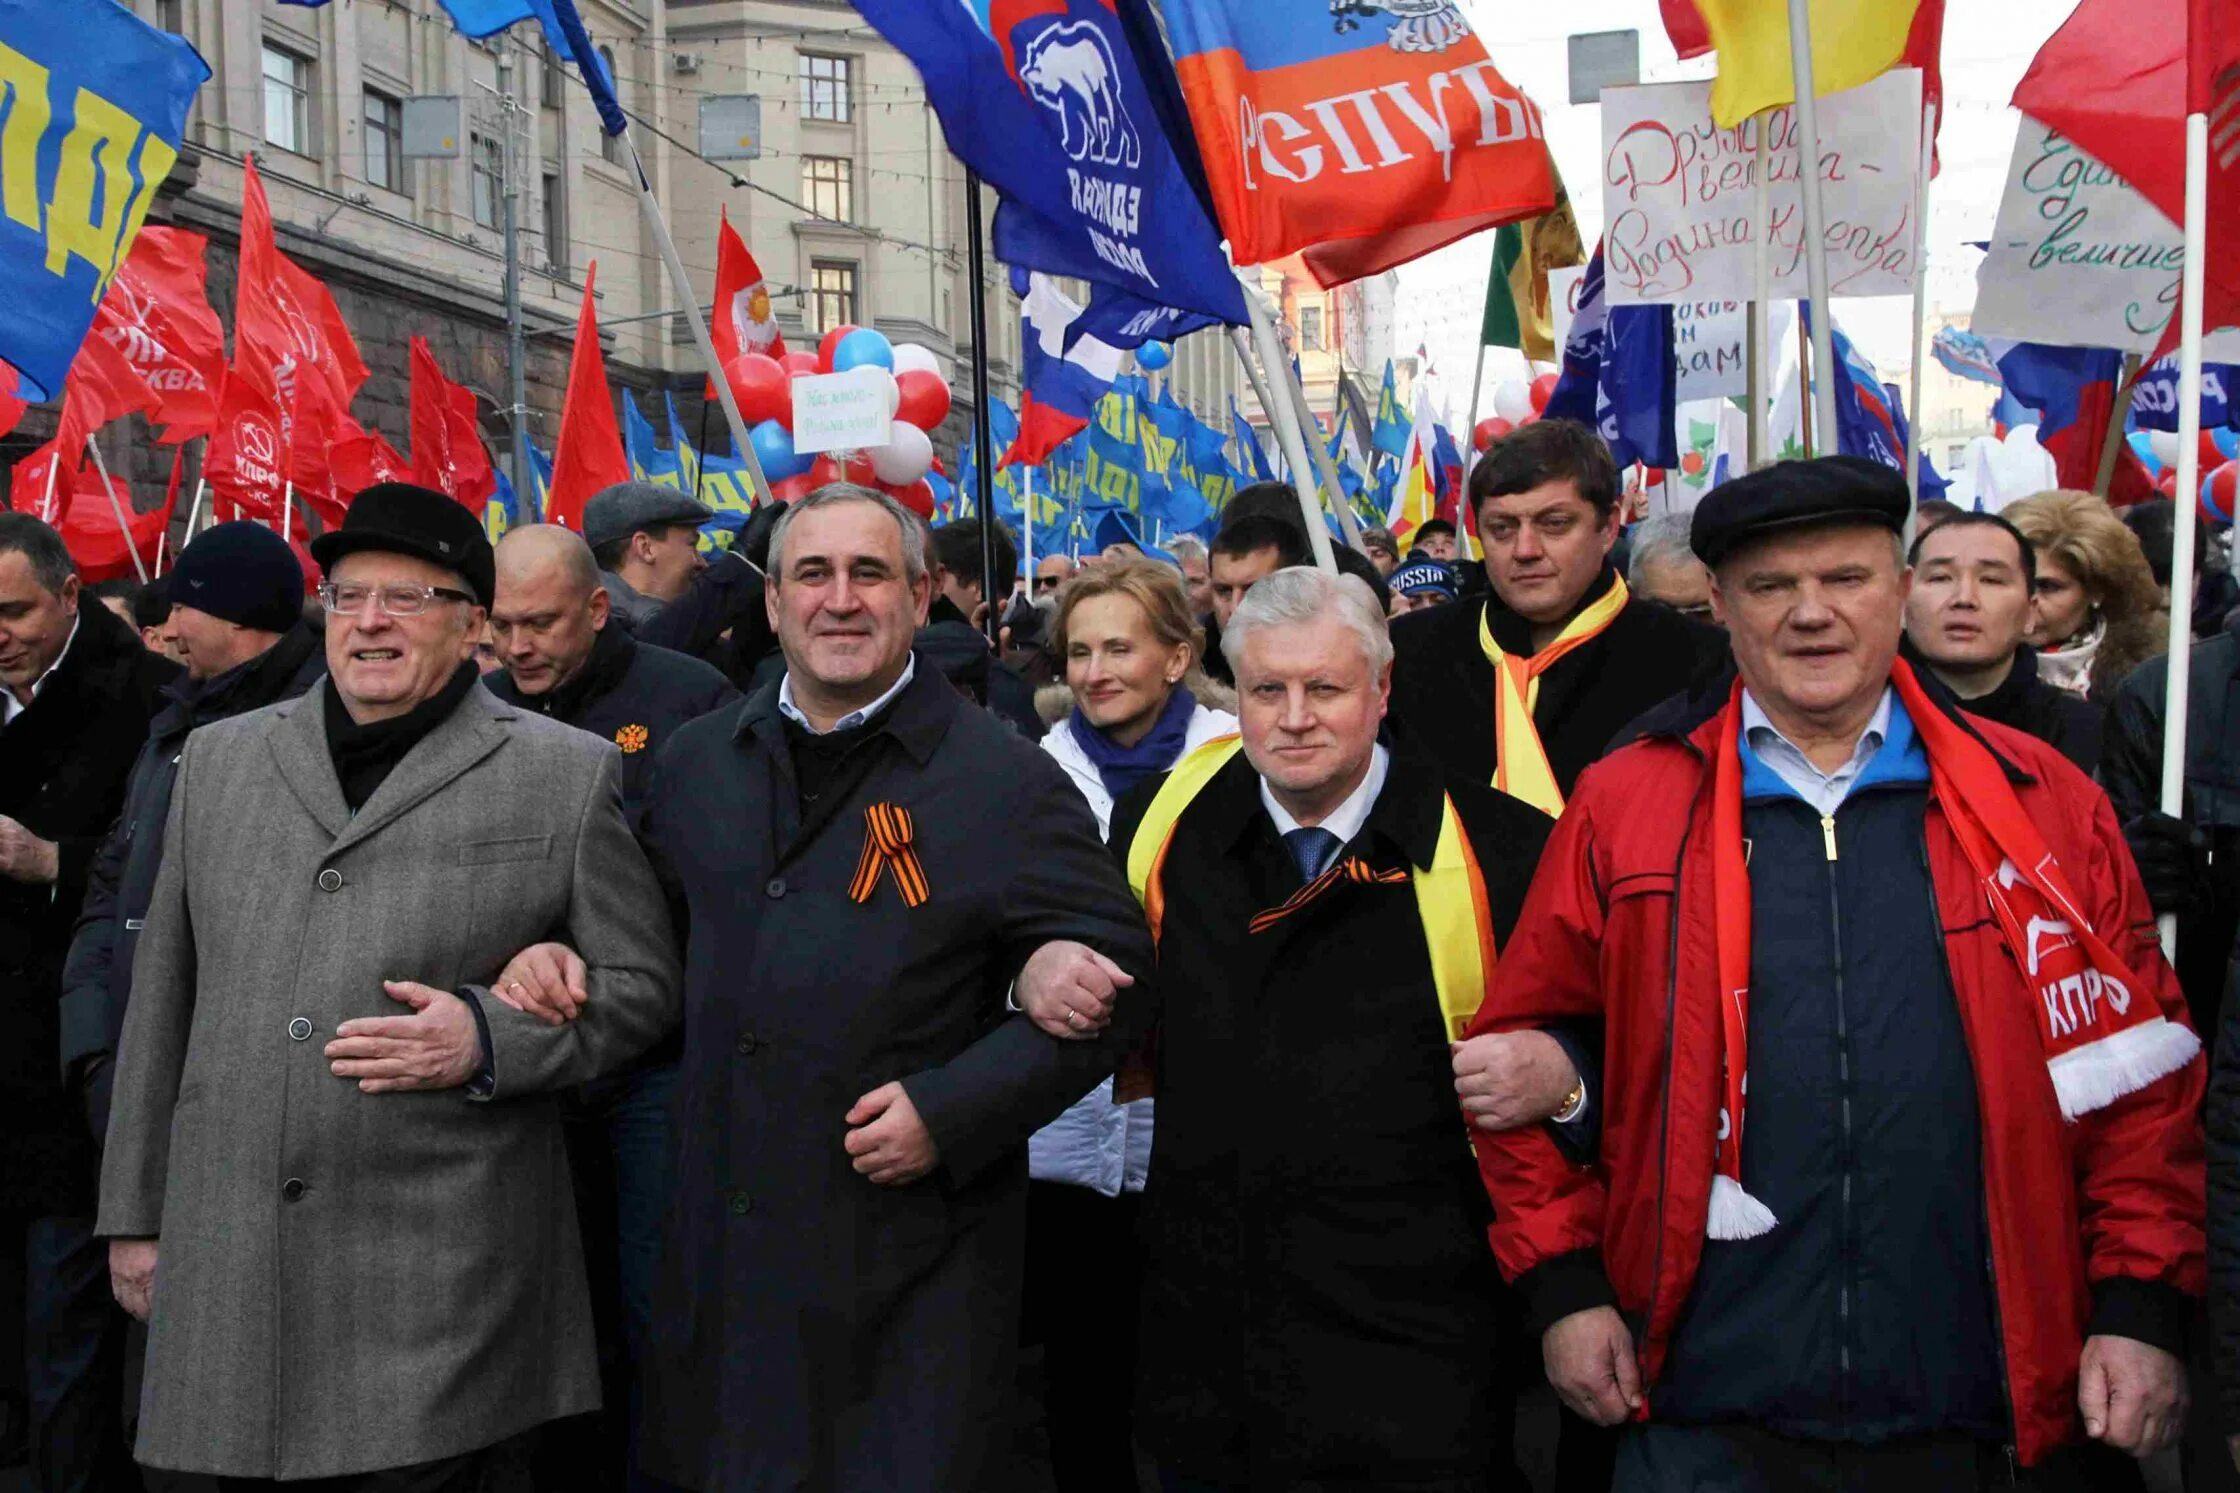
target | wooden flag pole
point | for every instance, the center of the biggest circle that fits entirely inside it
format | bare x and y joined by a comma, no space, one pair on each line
2111,442
1815,220
2189,486
116,506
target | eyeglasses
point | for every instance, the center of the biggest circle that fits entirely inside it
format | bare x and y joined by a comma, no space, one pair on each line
1044,583
394,601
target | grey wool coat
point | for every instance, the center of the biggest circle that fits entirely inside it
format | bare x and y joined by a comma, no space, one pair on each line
345,1281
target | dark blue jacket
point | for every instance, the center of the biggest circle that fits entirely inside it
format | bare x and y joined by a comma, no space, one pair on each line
1867,1313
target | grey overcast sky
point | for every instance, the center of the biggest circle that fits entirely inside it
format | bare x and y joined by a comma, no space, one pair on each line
1987,46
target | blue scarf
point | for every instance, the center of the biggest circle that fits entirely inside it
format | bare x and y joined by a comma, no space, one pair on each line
1122,767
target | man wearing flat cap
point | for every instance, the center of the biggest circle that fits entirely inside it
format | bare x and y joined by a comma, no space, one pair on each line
335,1183
646,540
1899,1181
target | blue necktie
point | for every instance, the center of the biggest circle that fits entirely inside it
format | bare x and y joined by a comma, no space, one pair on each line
1313,849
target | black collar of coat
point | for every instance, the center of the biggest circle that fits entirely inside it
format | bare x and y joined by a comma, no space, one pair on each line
613,650
94,666
917,718
1405,819
271,676
1514,632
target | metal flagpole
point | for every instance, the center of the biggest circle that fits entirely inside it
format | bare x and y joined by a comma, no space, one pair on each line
1470,417
651,210
1026,531
124,527
1286,418
1761,300
1241,341
1325,465
1920,307
1815,220
984,469
2189,485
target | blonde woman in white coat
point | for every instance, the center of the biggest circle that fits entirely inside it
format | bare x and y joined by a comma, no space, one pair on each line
1125,636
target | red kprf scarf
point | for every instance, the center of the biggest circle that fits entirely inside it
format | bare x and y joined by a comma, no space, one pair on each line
2101,1034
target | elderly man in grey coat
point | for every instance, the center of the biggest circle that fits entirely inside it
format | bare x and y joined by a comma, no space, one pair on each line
335,1183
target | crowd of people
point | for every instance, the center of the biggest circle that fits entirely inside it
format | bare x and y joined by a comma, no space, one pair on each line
588,1014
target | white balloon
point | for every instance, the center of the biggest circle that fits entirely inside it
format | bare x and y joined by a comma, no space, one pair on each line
1512,401
894,390
907,456
909,355
2164,445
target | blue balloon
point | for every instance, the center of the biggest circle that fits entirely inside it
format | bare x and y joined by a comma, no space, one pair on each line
862,348
1154,356
773,447
2143,445
2227,441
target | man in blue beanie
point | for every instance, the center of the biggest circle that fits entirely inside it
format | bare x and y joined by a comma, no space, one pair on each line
237,596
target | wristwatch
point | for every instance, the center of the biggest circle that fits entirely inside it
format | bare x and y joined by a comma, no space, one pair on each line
1574,1104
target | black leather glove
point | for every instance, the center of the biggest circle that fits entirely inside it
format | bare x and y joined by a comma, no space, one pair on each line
753,538
2173,861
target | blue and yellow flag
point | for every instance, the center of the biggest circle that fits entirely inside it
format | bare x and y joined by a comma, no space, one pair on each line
1389,436
96,104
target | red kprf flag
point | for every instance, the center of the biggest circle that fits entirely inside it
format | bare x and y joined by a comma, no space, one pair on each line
447,451
157,315
589,454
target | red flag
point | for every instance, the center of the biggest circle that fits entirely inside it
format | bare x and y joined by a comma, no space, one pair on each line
589,454
363,459
87,521
12,404
1359,147
285,313
247,460
1684,24
742,322
157,315
2116,79
447,450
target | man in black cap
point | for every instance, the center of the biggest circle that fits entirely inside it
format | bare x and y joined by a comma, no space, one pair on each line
565,658
646,541
1899,1176
361,1274
1525,689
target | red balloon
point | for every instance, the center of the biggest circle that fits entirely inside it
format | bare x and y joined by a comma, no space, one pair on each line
1543,388
799,363
830,341
800,485
925,399
762,388
916,496
2167,483
828,468
1492,428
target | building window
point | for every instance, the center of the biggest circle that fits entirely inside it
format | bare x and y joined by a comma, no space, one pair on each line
828,187
488,162
287,100
610,146
555,223
824,88
1310,329
384,142
832,295
553,92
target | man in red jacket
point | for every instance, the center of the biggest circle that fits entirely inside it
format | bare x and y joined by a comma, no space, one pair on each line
1899,1172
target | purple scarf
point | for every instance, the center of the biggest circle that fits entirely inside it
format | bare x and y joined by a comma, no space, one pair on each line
1122,767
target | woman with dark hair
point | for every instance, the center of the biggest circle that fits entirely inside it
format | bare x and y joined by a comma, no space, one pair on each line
2099,615
1124,635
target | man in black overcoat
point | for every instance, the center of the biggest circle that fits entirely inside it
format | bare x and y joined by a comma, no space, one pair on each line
77,691
867,864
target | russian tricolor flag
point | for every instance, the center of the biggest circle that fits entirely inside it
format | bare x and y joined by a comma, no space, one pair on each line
1063,383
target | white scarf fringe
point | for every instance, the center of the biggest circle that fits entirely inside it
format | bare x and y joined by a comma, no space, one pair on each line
1735,1214
2123,1062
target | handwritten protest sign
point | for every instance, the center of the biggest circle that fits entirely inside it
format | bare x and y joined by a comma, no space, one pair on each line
2077,258
1710,339
1679,194
841,411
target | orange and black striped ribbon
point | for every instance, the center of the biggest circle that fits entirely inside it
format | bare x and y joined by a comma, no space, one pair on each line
886,842
1352,868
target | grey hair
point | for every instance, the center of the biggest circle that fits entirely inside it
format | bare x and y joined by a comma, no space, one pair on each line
41,547
1187,547
1302,593
1662,540
831,495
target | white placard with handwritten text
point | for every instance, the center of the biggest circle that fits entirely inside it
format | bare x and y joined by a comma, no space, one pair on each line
1679,194
2078,258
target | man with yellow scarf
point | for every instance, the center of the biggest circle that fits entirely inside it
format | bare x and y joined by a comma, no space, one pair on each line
1525,689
